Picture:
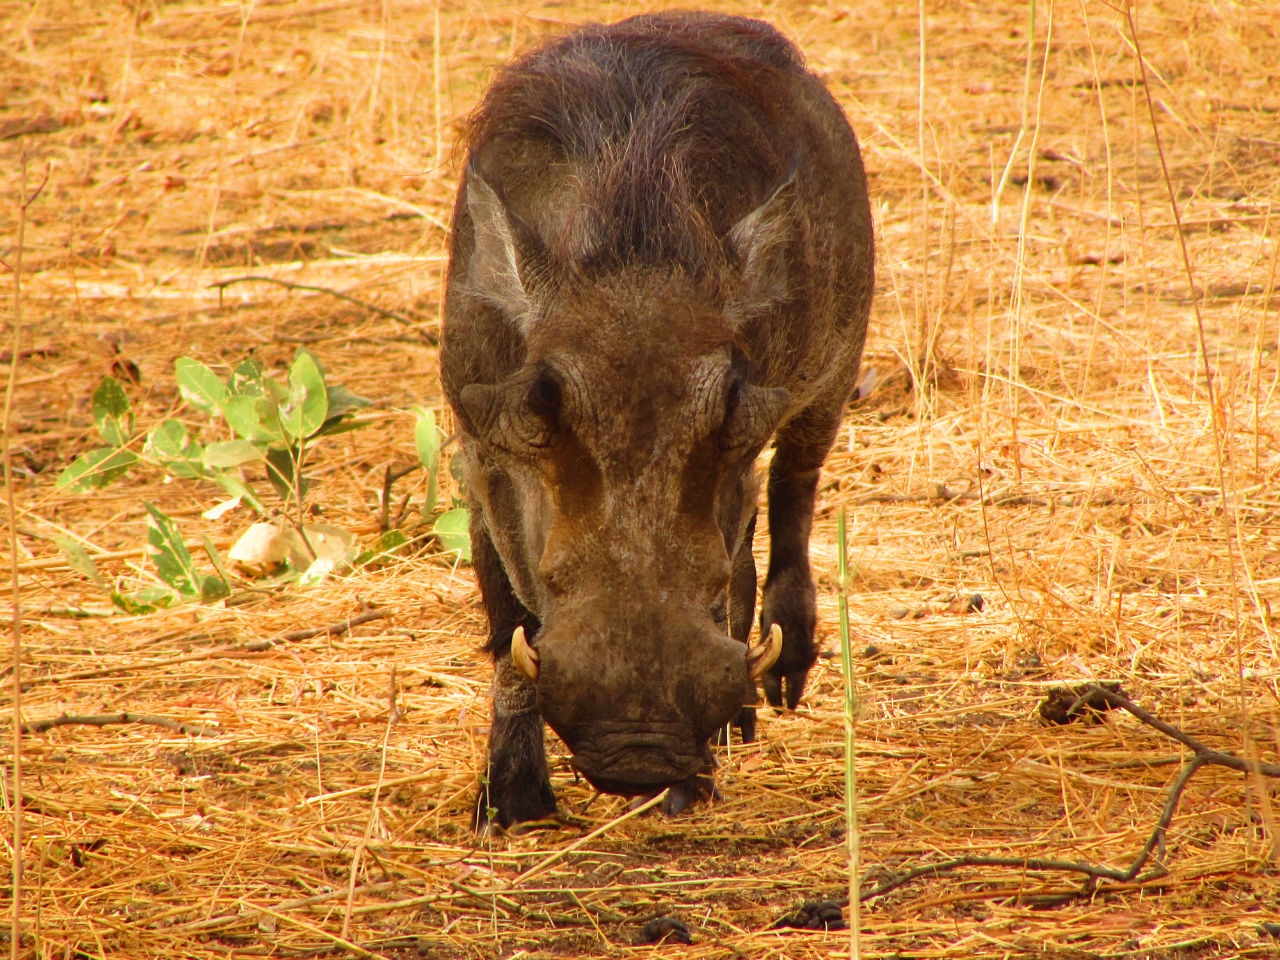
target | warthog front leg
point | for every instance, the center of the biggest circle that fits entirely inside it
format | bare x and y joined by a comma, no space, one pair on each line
788,596
515,786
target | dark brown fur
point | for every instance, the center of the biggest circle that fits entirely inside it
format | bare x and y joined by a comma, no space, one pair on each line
662,257
651,112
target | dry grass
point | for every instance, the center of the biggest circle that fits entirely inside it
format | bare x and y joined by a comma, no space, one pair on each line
1053,334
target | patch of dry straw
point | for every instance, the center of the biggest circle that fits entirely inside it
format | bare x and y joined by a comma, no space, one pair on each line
1041,433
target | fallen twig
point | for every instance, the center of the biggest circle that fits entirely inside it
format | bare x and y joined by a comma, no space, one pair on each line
290,285
941,493
1206,754
15,814
72,613
1203,756
335,629
109,719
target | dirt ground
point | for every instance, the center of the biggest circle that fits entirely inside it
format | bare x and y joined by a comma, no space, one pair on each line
1072,411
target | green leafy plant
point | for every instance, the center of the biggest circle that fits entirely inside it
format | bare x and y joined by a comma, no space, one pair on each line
270,423
264,422
174,564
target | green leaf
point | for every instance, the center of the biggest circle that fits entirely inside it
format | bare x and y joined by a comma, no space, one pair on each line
216,559
387,544
244,415
213,588
453,530
232,453
95,469
170,554
246,379
171,445
335,425
427,436
199,385
109,399
144,601
169,441
308,403
342,401
268,411
238,488
111,412
80,561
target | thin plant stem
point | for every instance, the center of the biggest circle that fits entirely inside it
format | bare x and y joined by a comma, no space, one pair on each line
850,741
1217,416
15,931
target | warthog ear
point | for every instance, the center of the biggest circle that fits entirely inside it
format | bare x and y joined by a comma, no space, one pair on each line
519,415
494,271
760,240
753,414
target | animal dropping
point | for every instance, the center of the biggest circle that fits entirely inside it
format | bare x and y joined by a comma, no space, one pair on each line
661,260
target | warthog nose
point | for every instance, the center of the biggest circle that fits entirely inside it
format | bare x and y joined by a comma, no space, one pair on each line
637,708
629,758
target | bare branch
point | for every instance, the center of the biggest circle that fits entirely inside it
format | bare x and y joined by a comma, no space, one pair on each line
335,629
290,285
110,719
1216,757
1202,756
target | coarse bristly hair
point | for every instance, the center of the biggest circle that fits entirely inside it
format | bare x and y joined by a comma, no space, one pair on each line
659,127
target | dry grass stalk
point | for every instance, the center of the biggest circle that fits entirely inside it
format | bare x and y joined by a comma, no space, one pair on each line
1041,433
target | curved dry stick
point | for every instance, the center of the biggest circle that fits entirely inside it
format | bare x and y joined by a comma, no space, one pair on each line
15,814
291,285
337,628
944,494
1091,870
1217,757
1202,756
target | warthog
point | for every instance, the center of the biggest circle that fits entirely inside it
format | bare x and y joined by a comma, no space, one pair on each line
661,258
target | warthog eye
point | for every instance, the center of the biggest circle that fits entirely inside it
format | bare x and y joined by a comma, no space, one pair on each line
544,398
521,414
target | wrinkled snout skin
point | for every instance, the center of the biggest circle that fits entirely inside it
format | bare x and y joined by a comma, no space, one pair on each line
634,672
661,260
636,703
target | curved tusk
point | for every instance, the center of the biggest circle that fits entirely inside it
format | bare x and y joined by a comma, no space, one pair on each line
525,657
764,654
